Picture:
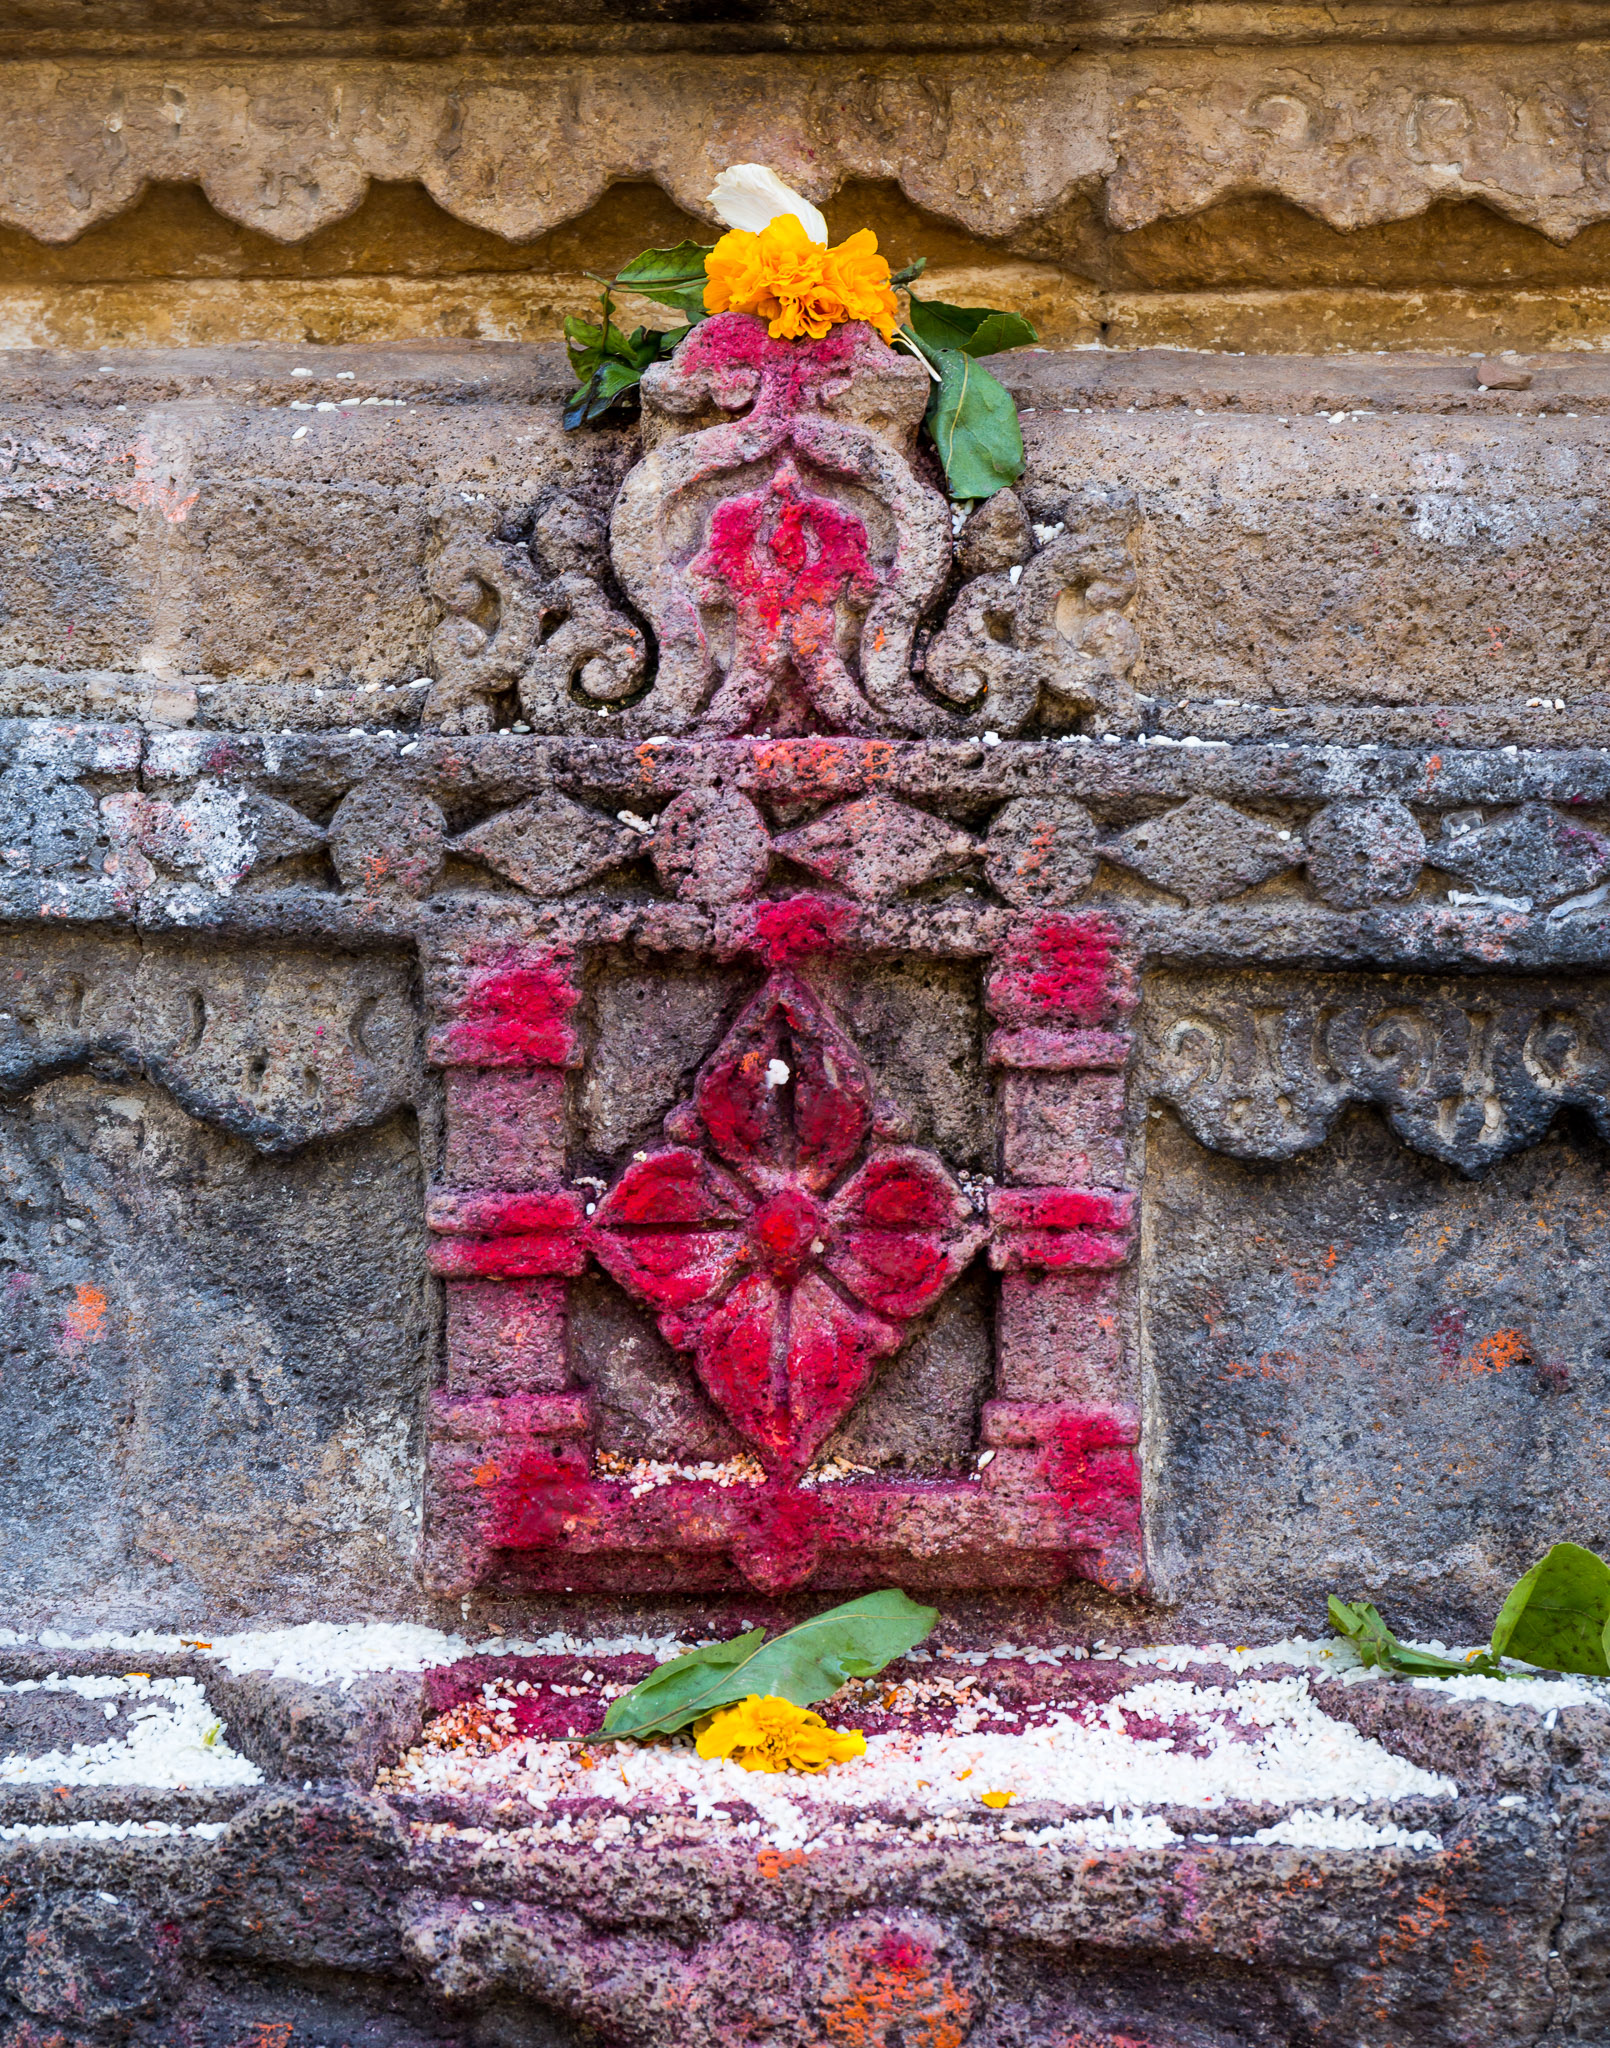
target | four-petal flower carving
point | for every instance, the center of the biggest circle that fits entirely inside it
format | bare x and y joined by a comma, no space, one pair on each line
785,1279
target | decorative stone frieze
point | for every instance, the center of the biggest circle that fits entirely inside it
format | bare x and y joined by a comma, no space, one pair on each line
995,142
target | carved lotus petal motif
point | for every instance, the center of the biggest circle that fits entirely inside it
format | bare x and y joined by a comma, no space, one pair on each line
786,1093
901,1230
786,1364
671,1229
785,1292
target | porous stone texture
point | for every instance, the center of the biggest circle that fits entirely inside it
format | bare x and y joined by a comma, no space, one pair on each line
639,1030
318,1905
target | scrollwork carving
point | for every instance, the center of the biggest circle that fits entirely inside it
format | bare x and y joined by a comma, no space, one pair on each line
1059,625
555,640
1467,1072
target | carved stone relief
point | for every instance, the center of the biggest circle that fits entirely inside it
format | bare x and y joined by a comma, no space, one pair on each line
1467,1070
998,141
794,1233
531,620
1061,625
782,551
277,1046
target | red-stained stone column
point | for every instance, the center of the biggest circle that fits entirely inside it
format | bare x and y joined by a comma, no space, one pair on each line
1065,1426
507,1235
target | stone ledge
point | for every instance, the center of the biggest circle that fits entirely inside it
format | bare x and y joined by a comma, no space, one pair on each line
1472,1917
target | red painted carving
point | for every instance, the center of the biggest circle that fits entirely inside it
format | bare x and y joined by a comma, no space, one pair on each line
798,926
1060,971
797,518
785,1279
515,1012
1059,1227
783,558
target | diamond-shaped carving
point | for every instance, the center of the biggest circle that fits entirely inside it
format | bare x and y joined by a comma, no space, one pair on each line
1534,853
875,847
548,844
1204,851
278,831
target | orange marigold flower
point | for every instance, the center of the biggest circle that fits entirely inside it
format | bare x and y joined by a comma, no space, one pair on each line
800,287
764,1733
861,278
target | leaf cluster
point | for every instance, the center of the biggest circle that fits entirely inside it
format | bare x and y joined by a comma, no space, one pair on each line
804,1664
611,362
1557,1617
971,418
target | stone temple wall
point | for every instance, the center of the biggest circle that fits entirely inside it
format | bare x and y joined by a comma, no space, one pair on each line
608,1036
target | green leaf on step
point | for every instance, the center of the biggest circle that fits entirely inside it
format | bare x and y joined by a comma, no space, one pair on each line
805,1664
975,330
1558,1615
1376,1644
910,273
671,277
972,422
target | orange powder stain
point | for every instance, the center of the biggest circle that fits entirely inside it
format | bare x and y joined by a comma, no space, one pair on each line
1498,1353
86,1319
771,1861
899,2003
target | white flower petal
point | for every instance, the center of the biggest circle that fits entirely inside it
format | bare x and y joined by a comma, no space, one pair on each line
750,196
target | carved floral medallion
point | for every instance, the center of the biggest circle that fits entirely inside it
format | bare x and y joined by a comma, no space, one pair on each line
786,1274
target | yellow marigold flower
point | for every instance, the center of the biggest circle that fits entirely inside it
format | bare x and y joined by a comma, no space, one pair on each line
764,1733
799,287
861,278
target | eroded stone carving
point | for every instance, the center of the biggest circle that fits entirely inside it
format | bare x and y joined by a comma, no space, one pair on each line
1060,625
1041,851
1532,854
548,845
711,846
877,847
992,141
278,1047
1205,850
1467,1071
783,555
554,640
1362,853
386,841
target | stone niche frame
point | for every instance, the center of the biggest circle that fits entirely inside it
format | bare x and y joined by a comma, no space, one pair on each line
515,1498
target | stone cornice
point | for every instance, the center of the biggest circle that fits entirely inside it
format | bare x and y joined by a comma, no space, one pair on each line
1353,136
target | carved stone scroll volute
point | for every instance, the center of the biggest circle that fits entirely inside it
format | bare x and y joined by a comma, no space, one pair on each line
1058,625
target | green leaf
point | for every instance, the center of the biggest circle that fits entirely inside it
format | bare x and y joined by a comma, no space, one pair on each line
805,1664
1377,1645
973,423
911,272
607,384
1558,1615
975,330
671,277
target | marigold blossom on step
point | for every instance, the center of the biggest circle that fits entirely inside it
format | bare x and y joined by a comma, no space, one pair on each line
765,1733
